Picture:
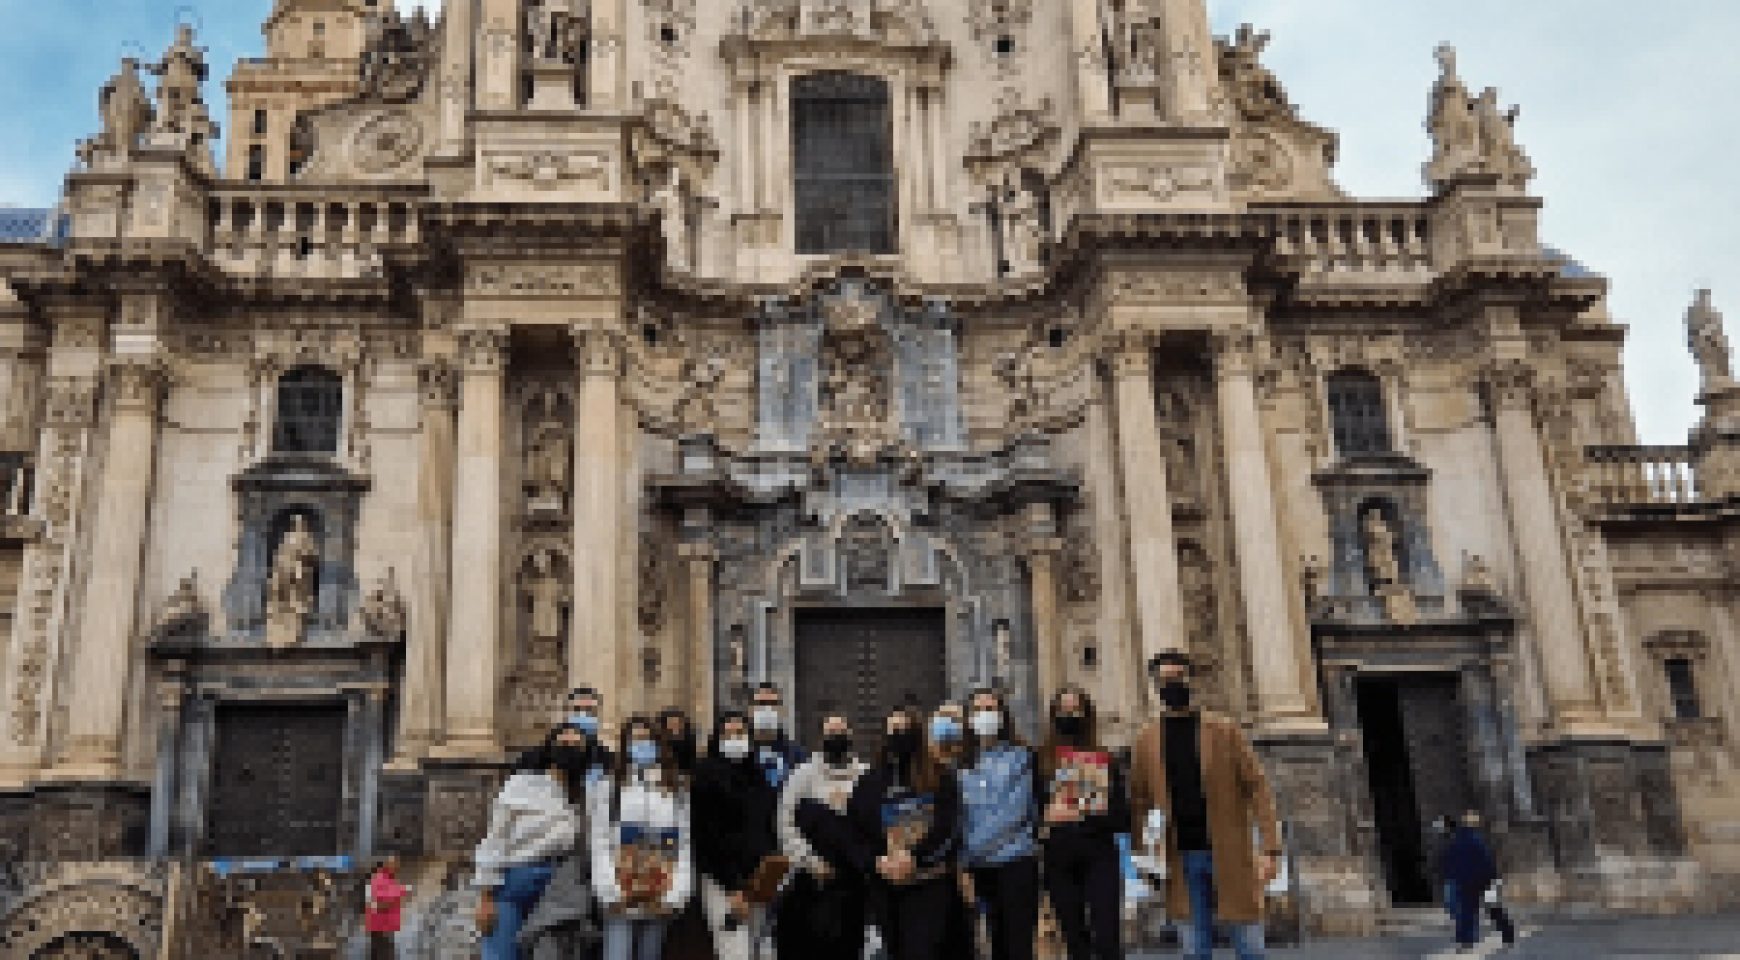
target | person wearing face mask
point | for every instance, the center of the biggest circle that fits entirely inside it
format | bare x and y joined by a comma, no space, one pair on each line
736,806
822,911
948,734
905,828
678,735
1197,767
1000,834
642,869
1086,807
534,845
776,753
585,710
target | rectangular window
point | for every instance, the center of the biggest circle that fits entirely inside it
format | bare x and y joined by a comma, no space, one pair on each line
256,163
259,123
1683,689
843,163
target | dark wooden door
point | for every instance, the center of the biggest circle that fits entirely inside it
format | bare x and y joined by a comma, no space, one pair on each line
865,663
277,781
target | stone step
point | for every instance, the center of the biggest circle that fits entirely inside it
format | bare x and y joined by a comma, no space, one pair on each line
1400,921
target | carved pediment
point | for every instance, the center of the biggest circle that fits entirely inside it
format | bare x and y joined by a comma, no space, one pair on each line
904,23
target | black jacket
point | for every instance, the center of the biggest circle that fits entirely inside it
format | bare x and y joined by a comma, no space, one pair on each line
939,848
733,818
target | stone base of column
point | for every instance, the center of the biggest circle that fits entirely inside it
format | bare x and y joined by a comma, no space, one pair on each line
1616,827
76,822
438,811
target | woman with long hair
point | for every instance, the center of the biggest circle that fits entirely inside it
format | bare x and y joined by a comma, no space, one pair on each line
736,806
642,872
1086,807
1000,836
905,816
822,911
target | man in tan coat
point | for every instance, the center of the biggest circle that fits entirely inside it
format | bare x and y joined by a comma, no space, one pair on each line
1197,767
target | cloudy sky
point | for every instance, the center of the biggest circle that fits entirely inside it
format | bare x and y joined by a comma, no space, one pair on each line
1626,109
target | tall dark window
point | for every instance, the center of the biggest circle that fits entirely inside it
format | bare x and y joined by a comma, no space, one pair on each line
843,158
256,162
310,405
259,123
1682,688
1356,408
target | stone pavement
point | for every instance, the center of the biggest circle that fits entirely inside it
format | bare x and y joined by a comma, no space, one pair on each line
1677,938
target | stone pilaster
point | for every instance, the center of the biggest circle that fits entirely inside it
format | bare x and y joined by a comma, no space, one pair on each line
454,87
1120,690
1280,654
475,621
1043,548
1189,62
595,646
1546,575
698,682
101,659
1147,502
606,59
497,77
420,703
1087,42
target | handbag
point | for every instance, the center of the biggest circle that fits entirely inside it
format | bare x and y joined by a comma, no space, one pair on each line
764,883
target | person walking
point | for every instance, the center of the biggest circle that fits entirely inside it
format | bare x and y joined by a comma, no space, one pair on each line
905,816
1000,833
386,900
1197,767
736,806
642,867
1086,807
1467,864
1438,836
822,911
535,822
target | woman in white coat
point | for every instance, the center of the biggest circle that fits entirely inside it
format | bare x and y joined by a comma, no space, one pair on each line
642,867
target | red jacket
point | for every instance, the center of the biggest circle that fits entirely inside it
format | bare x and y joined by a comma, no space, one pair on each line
386,899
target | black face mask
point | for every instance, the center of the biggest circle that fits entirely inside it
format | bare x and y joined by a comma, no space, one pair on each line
902,744
683,749
1069,726
570,758
836,747
1175,694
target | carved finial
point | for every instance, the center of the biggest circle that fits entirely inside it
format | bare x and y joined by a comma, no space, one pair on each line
1709,341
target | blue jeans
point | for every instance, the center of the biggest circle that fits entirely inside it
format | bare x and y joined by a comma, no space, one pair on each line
1450,898
634,938
519,892
1466,912
1247,938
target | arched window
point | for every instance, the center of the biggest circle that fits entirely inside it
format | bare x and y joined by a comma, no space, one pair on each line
843,164
310,406
1356,409
1682,688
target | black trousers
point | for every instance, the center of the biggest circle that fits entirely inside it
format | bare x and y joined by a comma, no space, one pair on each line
820,919
1010,893
1086,883
923,921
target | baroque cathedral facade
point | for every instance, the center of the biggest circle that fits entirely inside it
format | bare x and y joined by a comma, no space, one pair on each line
876,348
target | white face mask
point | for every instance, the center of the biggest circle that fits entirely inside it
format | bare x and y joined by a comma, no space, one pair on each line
987,723
766,719
735,748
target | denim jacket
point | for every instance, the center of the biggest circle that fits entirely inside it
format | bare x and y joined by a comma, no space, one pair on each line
1000,807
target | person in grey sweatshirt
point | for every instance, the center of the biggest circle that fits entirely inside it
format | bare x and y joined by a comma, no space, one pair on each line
822,912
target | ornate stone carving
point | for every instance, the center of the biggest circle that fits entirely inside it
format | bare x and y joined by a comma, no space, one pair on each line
291,585
136,386
1016,134
549,453
1470,135
397,57
857,364
543,280
70,402
438,383
1251,88
386,142
1382,565
1081,569
546,588
557,31
126,113
651,595
1511,385
483,349
182,118
552,170
182,610
1155,182
1709,342
383,609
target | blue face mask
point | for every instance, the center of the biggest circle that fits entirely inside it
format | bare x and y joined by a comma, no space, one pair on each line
584,722
945,729
644,753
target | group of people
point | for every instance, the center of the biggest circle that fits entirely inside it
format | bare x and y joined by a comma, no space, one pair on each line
944,839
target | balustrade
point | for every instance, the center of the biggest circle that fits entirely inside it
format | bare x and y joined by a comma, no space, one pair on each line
1364,238
1642,475
291,232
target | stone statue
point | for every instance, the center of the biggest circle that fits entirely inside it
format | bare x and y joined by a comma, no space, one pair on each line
1451,121
855,391
671,200
293,583
1254,89
554,29
1312,573
547,594
1477,576
1498,148
547,463
126,113
1709,342
1380,551
1023,236
183,607
696,411
182,117
383,609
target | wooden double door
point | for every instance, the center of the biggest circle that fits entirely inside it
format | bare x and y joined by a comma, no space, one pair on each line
864,663
277,781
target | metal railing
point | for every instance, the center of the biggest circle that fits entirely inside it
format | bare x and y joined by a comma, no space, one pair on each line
1642,475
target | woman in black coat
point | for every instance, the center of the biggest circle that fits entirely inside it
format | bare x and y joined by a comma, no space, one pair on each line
905,816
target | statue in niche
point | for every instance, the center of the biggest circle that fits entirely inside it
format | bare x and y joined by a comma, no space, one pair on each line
651,606
696,411
126,112
1455,130
183,608
555,30
546,592
1023,236
383,609
1709,342
1381,564
548,458
670,198
855,391
292,584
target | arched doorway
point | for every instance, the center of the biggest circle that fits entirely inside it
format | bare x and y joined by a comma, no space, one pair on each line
87,945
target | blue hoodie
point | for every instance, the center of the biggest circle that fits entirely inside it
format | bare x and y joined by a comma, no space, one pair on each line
1000,807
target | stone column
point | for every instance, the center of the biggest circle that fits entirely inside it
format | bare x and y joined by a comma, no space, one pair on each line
1042,551
103,654
1540,546
594,648
1120,691
698,662
1147,501
604,80
1280,657
163,780
1087,42
421,718
475,619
